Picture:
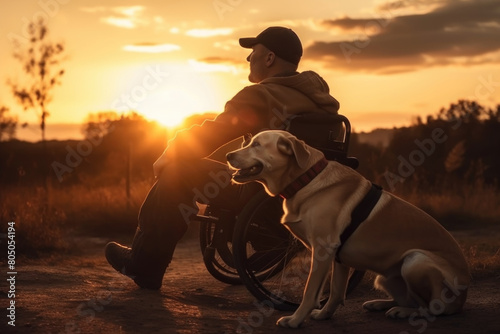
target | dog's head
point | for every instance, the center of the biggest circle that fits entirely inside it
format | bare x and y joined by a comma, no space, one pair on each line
273,158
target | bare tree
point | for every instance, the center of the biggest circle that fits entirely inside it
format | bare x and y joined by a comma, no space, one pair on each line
41,62
7,124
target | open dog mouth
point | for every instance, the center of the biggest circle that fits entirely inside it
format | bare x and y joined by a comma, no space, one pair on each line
246,173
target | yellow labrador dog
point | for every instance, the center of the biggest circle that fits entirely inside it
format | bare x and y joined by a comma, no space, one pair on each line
419,264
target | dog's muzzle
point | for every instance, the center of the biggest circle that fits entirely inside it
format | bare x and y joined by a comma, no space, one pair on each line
247,173
243,173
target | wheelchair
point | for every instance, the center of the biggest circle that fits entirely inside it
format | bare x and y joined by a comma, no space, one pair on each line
250,246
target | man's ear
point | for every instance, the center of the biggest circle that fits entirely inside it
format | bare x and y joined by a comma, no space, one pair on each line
295,147
270,58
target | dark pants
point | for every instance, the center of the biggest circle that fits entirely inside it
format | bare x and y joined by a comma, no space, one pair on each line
168,207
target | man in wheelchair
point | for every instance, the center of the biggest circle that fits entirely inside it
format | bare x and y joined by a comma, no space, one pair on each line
278,92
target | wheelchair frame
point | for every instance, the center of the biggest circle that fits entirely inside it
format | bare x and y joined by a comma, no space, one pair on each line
251,246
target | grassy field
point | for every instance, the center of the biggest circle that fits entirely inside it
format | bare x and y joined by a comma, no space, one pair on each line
465,207
45,221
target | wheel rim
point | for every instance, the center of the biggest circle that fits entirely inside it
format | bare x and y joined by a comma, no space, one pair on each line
268,254
271,262
218,261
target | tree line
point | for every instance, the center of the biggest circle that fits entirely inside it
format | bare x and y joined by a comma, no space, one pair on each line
458,145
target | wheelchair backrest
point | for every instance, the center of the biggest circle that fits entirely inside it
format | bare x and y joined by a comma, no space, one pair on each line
328,133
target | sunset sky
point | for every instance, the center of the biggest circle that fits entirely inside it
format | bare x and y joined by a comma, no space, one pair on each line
385,61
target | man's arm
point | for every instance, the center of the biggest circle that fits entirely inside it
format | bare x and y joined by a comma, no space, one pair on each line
246,112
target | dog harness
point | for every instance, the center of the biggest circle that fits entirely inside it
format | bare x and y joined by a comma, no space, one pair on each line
359,214
304,179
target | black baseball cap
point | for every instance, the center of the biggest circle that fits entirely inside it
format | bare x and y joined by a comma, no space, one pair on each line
280,40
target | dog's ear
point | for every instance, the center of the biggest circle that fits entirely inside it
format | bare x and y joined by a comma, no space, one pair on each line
295,147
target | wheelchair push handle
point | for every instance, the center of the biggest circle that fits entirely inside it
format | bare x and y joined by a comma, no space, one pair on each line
329,133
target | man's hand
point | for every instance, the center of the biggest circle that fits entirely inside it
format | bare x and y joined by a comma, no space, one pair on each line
159,165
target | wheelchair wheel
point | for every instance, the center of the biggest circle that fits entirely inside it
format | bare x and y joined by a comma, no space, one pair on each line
272,263
218,259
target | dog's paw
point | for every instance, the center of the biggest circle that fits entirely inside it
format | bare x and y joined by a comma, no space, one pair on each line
289,322
379,305
399,312
321,314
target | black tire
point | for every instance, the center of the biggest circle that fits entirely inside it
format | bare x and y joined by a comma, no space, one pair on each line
272,264
218,261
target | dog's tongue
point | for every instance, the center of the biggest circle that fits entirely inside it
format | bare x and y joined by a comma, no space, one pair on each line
246,171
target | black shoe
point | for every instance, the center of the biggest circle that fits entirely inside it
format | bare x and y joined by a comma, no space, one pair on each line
120,258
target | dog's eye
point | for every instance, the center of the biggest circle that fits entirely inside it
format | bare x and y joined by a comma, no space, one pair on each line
255,144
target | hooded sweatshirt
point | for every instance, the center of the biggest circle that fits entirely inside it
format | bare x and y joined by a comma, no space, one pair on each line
263,106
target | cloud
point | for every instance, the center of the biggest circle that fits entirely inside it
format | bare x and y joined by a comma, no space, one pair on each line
151,48
412,5
457,32
120,22
131,11
223,60
123,17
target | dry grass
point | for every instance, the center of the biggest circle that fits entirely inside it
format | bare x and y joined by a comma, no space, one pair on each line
100,210
37,224
43,220
467,206
482,251
472,214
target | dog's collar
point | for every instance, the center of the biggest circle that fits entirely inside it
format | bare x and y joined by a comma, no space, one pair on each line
304,179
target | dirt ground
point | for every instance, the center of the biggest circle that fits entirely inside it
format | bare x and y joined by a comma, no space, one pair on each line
81,293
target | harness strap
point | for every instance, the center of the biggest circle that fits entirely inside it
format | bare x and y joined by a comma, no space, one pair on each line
359,214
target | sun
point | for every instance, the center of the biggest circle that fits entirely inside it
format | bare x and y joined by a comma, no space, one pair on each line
182,95
170,108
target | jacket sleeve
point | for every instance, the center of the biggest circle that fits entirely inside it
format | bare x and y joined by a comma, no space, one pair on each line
247,112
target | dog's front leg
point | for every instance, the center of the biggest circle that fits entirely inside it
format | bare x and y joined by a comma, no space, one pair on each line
319,269
338,288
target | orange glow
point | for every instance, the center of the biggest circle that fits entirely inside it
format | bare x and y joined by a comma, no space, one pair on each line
385,64
183,92
172,107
